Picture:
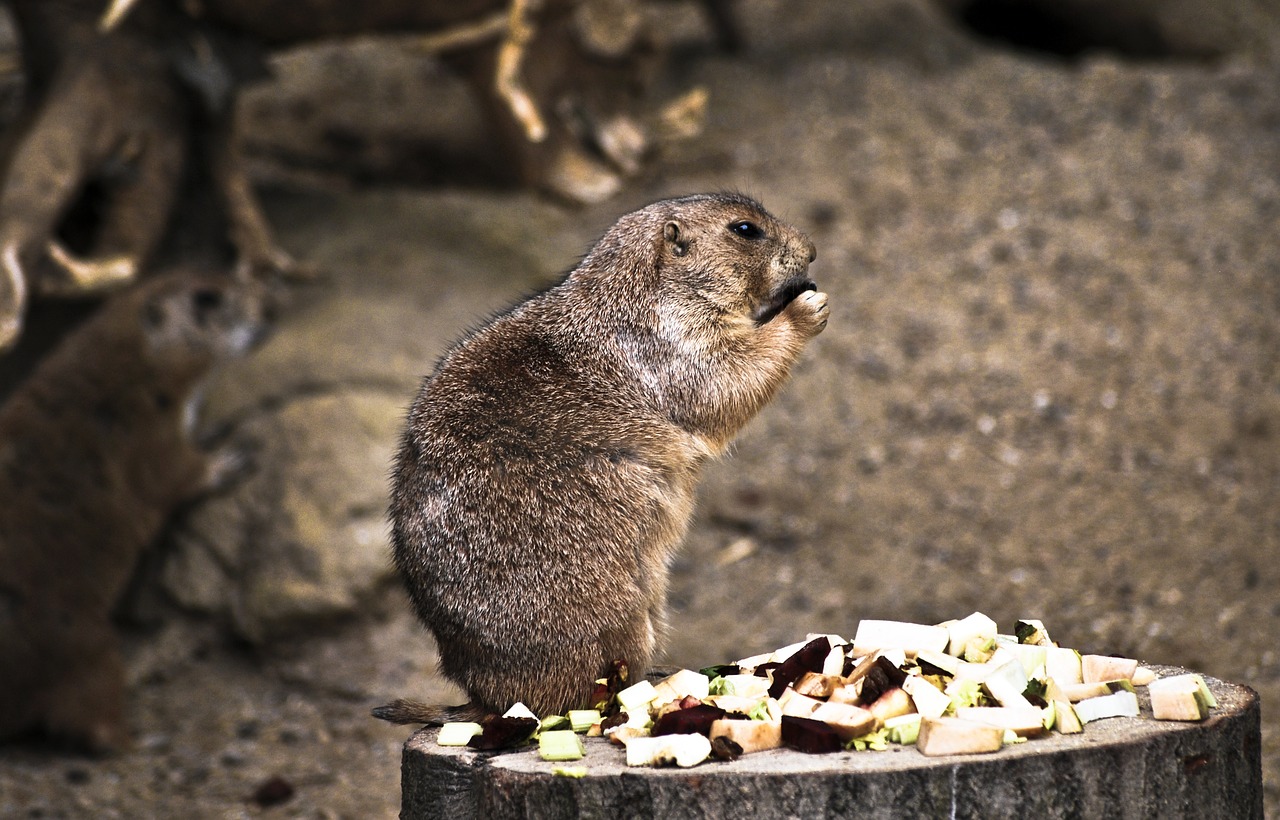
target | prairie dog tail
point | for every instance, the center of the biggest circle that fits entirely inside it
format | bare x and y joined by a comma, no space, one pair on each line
412,711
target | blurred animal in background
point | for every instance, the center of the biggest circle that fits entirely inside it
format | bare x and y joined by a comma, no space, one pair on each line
97,449
126,100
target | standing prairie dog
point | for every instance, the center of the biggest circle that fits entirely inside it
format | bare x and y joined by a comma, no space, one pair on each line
96,450
547,471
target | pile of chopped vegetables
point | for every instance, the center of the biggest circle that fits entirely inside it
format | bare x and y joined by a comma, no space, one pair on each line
958,687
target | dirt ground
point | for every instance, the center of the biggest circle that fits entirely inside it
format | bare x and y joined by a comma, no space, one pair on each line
1048,389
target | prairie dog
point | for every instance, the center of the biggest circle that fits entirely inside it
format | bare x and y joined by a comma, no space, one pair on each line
96,450
547,471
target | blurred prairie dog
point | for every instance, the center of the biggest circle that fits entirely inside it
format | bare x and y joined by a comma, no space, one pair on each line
95,453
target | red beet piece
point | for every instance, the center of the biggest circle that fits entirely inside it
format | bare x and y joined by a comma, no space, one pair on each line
694,720
809,658
811,736
503,733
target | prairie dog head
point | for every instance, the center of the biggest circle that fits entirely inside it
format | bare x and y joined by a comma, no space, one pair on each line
202,319
728,251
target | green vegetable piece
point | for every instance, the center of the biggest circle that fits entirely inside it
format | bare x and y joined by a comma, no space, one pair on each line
551,722
560,744
457,734
580,720
965,693
877,741
760,712
719,686
1120,686
979,649
1208,697
1031,631
903,729
569,771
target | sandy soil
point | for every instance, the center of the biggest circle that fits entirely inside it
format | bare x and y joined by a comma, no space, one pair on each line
1049,389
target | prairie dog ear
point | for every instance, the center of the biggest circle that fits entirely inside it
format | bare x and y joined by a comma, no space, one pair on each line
674,237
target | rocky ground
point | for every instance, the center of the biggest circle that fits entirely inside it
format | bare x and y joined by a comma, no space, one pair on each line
1049,386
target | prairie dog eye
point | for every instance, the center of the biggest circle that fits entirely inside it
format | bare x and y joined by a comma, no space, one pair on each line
747,229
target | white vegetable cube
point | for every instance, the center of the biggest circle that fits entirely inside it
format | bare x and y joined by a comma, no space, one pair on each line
682,684
947,663
1118,704
891,703
683,750
875,634
1106,668
748,664
1032,657
966,633
519,710
1062,664
834,663
746,686
1007,683
637,697
780,655
928,699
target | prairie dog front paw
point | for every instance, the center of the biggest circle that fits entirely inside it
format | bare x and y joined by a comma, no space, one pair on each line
809,312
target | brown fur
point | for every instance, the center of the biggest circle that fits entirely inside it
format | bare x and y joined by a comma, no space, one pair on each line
95,452
547,473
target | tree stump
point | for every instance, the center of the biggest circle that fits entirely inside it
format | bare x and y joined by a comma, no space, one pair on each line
1118,767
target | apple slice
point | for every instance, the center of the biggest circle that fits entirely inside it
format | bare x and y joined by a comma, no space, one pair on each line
797,705
751,735
848,720
1181,697
1096,668
953,736
892,703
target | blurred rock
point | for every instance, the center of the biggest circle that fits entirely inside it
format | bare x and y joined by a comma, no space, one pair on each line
303,540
